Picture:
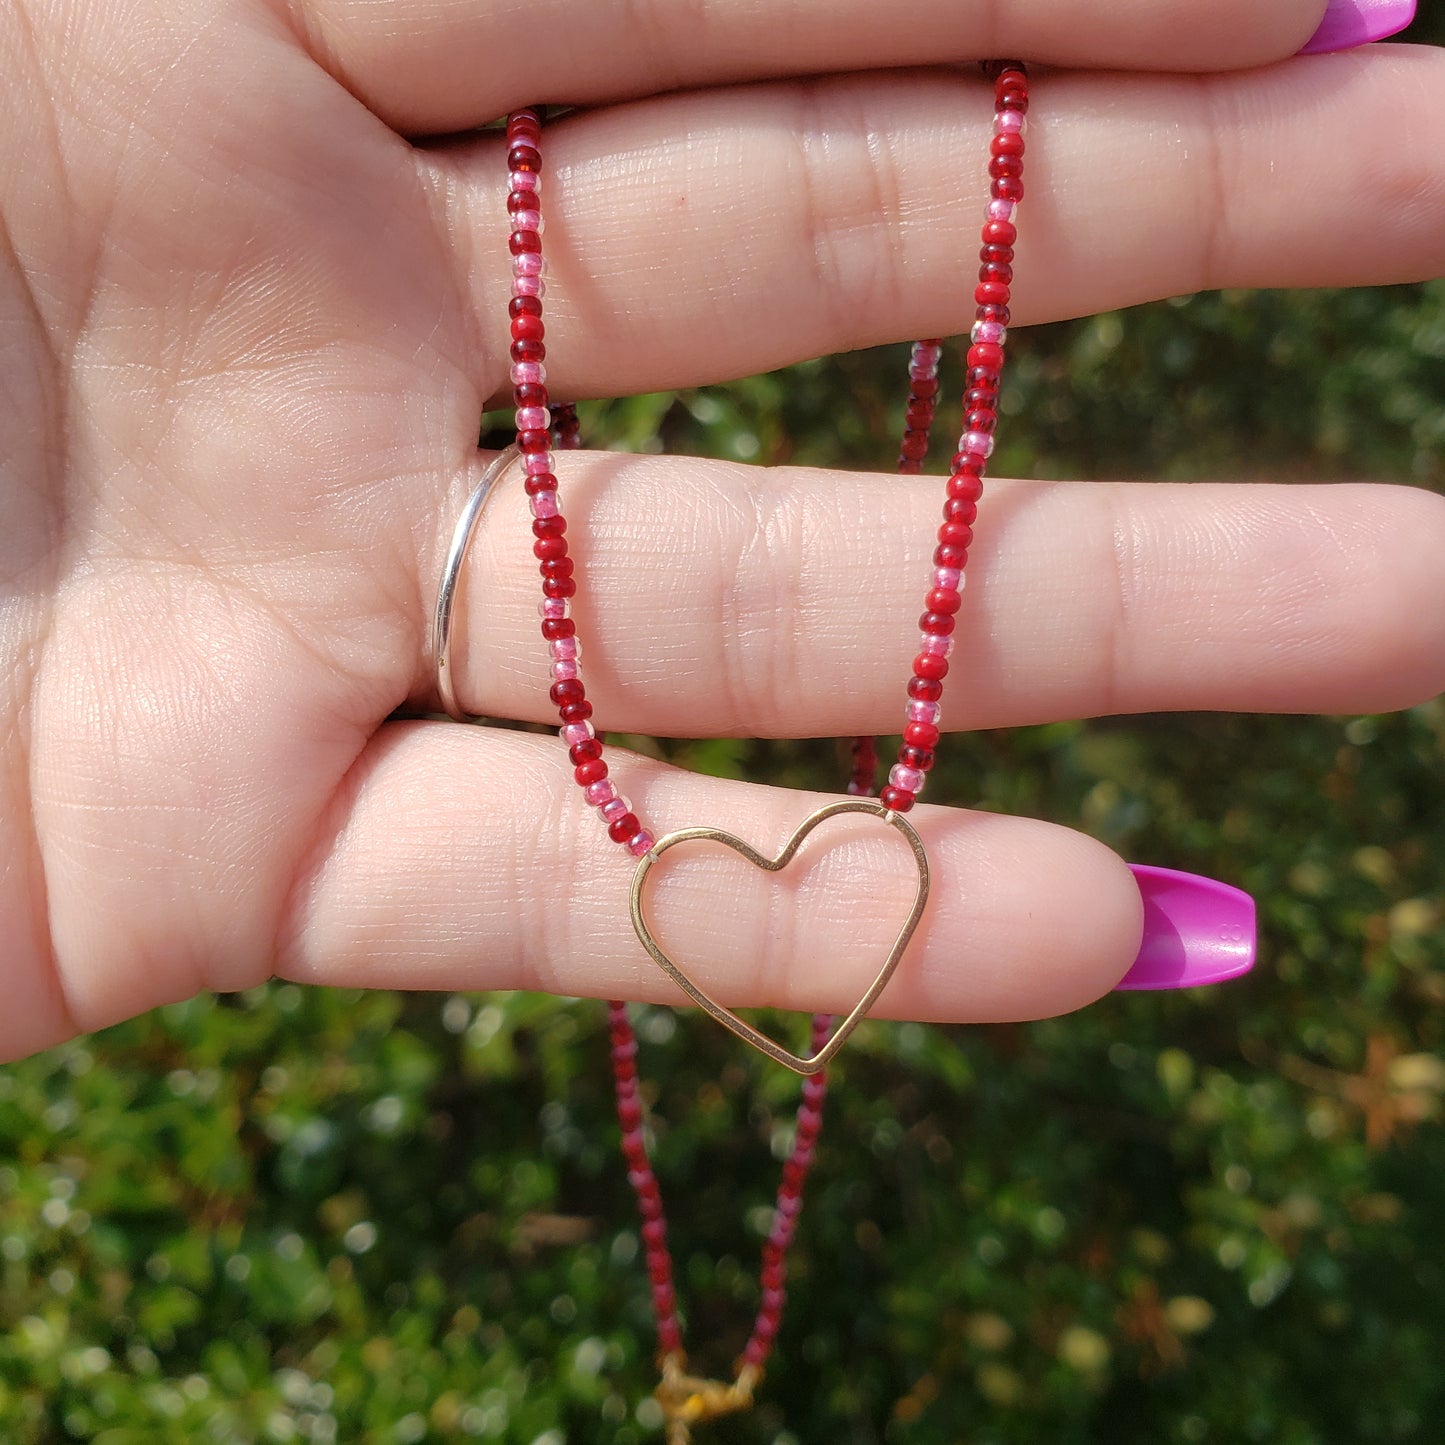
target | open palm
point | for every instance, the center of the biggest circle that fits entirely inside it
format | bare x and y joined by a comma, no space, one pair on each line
248,331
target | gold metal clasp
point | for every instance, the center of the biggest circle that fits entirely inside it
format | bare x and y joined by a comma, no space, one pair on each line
689,1400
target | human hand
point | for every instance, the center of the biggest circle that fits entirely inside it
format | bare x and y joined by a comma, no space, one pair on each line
249,331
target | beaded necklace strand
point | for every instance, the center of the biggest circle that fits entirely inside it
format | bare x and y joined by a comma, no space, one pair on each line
687,1400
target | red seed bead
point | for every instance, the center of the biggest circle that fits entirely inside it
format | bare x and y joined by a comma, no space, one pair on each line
521,201
984,420
556,628
896,799
524,306
528,351
996,254
559,588
575,711
1007,188
921,735
964,486
987,355
558,568
585,751
999,233
624,828
954,534
997,271
530,393
540,482
1001,314
533,440
524,158
923,386
569,690
948,555
549,526
915,445
548,549
944,599
523,241
915,757
937,624
528,328
959,512
985,378
593,770
1008,143
926,665
986,293
924,689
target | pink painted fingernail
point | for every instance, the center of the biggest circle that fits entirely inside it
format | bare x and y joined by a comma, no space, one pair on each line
1196,931
1349,23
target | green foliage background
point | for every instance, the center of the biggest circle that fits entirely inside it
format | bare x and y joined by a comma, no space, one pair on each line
323,1215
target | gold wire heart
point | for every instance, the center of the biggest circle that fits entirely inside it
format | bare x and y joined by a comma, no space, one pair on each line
725,1016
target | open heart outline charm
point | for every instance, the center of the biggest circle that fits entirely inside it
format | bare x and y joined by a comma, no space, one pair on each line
725,1016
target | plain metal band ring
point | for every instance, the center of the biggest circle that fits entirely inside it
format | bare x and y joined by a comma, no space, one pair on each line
451,579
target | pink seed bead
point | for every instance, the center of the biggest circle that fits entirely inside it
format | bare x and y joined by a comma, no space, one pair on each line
617,808
535,463
527,263
949,578
992,331
527,221
565,649
1008,120
529,286
564,671
924,712
1001,210
533,418
909,779
578,732
554,608
933,646
524,373
544,505
599,793
980,443
641,842
523,180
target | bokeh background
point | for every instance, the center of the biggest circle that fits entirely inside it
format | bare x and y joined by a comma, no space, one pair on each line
309,1215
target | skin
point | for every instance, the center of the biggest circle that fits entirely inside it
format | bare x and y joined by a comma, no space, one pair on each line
251,307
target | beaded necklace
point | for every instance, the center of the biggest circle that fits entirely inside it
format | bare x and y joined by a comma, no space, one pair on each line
687,1400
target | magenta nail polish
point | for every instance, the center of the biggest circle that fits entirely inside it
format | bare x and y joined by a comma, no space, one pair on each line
1349,23
1196,931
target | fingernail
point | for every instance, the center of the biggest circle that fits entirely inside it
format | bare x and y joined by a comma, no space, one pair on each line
1196,931
1349,23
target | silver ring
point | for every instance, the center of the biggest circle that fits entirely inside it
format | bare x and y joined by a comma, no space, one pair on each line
451,579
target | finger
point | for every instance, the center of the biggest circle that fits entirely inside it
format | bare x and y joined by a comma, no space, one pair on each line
788,222
722,599
463,858
453,64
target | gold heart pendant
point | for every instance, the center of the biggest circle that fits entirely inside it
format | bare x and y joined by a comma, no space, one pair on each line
726,1016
